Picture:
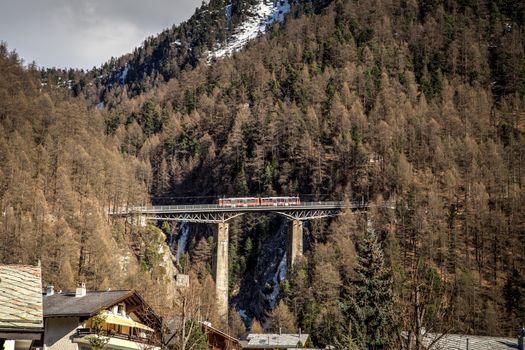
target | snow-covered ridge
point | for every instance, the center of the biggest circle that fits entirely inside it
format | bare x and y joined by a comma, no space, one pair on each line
261,16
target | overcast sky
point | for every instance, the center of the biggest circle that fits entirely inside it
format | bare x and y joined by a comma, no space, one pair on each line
85,33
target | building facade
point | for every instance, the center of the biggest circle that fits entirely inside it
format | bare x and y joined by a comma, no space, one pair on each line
118,320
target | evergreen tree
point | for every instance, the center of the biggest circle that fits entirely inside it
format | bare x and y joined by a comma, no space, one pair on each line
370,309
514,294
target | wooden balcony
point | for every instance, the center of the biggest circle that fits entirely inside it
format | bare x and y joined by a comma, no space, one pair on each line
82,332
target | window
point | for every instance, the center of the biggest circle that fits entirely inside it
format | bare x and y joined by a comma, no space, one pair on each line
122,309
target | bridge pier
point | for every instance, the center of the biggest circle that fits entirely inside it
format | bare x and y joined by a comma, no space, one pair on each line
294,248
221,271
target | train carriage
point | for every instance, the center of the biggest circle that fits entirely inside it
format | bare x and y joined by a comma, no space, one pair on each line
239,202
280,201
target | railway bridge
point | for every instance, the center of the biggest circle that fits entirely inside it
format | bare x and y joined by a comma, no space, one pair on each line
221,215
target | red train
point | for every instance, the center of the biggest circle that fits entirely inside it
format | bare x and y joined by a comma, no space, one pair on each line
259,201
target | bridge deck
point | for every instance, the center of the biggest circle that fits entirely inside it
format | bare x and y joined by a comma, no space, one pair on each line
215,208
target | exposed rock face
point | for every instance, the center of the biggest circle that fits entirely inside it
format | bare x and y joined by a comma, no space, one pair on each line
260,287
171,270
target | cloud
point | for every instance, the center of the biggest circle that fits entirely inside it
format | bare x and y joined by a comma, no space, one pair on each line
85,33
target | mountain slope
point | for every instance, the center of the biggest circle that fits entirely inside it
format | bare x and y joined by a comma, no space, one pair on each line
217,28
260,16
402,101
417,102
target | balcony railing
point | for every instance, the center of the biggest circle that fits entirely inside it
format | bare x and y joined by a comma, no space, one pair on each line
82,332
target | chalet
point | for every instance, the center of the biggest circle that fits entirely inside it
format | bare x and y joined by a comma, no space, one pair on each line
21,321
276,341
218,340
121,319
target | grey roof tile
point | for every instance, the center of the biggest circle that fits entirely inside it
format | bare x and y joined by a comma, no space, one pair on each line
459,342
20,297
277,341
66,304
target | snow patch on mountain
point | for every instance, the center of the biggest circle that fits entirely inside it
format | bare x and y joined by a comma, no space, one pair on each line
123,75
260,17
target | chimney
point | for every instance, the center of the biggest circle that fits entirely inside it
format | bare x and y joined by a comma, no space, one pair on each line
81,290
50,291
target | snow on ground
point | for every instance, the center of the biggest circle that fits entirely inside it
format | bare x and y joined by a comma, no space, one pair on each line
123,75
176,43
262,15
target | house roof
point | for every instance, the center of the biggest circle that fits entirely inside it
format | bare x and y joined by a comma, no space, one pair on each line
208,327
459,341
67,304
21,297
276,341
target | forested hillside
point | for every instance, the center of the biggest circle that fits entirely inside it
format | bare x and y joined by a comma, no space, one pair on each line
58,175
419,104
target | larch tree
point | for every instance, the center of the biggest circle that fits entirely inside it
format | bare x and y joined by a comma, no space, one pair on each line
281,319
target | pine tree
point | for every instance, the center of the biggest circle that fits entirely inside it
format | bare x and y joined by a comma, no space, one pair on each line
370,309
514,294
